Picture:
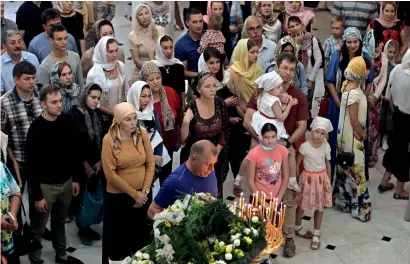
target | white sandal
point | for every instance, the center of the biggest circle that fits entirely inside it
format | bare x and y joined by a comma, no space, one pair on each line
315,245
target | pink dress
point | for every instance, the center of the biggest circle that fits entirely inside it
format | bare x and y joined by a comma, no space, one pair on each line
316,191
268,171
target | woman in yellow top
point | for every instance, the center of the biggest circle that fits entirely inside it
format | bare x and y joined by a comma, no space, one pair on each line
244,71
128,164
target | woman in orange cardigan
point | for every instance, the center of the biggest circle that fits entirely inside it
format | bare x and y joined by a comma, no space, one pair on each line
128,164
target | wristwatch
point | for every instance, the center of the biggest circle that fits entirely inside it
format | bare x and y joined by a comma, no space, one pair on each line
288,144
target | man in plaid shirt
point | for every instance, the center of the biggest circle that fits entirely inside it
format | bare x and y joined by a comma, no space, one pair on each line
19,108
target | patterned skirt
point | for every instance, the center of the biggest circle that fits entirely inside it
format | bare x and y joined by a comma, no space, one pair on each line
316,192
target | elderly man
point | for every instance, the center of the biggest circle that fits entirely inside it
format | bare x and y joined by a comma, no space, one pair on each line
253,29
13,44
196,175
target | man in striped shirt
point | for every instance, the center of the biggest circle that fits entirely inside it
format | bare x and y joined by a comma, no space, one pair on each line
356,14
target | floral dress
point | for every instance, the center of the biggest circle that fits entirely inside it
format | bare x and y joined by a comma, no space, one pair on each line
351,182
214,129
8,188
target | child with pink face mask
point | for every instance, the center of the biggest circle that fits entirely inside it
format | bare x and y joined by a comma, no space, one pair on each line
271,110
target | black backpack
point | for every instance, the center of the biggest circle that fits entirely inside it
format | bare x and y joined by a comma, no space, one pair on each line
312,58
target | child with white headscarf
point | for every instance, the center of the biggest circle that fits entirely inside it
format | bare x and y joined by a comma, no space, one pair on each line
314,182
271,110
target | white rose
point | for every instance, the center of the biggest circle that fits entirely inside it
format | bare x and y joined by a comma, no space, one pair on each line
221,244
228,249
134,262
237,242
247,231
255,219
145,256
138,255
228,256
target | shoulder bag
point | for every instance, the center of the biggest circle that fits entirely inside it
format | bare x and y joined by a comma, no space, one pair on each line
345,159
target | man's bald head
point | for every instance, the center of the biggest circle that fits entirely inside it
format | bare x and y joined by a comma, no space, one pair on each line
202,157
203,148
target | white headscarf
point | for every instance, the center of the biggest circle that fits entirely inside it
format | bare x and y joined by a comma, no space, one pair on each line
203,67
100,61
322,123
268,81
133,98
160,59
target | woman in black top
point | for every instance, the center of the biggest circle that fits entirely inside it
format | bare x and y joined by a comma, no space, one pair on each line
171,68
73,22
88,120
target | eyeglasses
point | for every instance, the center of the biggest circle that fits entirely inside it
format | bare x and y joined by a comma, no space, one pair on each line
291,70
254,29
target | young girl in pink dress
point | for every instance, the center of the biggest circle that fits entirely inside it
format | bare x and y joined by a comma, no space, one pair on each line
314,181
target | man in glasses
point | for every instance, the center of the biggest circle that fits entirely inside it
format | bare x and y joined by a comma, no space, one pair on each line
19,108
40,45
253,29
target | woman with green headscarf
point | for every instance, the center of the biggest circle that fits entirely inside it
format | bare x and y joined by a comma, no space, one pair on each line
62,76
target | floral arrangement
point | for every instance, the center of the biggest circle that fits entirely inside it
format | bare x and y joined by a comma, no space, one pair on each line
199,229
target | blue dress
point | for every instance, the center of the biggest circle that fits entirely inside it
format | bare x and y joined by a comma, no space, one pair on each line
334,76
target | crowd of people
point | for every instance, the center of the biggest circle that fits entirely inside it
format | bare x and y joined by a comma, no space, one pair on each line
234,92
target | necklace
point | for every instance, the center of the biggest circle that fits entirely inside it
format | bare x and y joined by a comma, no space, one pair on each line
54,57
167,68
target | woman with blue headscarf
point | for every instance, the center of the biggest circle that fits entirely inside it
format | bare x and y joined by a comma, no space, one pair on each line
352,47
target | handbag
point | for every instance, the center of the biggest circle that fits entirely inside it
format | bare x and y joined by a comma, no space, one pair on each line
345,159
27,241
92,206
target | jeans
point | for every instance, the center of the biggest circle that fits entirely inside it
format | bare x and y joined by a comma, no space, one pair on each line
58,198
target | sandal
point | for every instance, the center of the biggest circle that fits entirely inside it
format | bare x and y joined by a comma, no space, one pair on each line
315,245
383,188
307,235
400,197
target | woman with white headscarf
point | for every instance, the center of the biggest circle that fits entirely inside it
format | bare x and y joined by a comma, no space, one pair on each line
109,73
171,68
397,157
140,96
142,38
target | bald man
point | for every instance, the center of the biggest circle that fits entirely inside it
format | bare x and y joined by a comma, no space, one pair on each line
196,175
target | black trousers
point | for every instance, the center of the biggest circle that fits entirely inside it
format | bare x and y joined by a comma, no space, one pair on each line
126,229
239,144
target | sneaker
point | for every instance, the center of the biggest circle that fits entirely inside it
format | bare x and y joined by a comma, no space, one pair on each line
293,185
385,146
289,250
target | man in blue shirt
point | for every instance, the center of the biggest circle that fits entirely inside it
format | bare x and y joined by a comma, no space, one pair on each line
40,45
194,176
13,43
186,48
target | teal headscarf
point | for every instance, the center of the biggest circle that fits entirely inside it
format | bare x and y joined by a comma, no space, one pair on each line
369,45
352,32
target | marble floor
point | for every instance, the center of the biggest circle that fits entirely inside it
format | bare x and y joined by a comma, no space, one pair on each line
385,239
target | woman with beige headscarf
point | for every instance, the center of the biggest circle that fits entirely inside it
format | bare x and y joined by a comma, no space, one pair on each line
93,11
143,38
128,164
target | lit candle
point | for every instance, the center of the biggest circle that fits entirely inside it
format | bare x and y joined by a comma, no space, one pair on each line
271,196
253,199
234,208
284,212
257,196
240,199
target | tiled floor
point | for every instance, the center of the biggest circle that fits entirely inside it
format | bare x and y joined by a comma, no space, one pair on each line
385,239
